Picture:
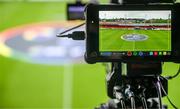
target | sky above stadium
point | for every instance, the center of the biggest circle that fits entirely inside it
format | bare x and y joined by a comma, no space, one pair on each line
135,14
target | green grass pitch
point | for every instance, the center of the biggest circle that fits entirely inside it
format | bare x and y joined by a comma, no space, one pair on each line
111,40
35,86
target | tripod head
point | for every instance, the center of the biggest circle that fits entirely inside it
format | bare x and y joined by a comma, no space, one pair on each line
137,81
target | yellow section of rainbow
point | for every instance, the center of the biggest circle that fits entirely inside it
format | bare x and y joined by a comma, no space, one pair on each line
4,50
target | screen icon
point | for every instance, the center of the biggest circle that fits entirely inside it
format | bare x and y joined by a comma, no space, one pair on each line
135,53
155,53
129,53
160,53
140,53
164,53
150,53
168,53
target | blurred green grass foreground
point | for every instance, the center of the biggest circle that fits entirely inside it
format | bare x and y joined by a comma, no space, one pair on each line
27,85
41,86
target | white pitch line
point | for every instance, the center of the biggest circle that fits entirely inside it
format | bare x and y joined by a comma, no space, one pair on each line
67,86
134,45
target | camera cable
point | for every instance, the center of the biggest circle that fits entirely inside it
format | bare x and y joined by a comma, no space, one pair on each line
72,28
158,88
144,103
142,96
174,76
119,96
130,95
123,104
173,105
76,35
133,106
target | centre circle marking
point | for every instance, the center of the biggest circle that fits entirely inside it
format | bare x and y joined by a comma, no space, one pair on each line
134,37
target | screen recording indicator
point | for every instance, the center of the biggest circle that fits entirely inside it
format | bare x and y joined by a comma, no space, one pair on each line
135,33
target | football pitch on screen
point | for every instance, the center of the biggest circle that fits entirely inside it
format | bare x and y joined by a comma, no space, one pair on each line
156,40
37,86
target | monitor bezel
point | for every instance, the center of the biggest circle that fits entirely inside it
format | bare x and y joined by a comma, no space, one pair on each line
92,34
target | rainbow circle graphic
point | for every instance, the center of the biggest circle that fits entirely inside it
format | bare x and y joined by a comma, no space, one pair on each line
37,43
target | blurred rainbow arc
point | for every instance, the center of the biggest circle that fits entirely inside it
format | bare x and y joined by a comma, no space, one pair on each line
37,43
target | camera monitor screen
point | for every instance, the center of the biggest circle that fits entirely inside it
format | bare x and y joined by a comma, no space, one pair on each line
135,33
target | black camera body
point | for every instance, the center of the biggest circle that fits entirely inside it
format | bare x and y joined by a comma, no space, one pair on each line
133,33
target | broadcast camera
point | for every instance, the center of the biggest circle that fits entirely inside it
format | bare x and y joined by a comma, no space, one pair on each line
136,37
